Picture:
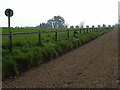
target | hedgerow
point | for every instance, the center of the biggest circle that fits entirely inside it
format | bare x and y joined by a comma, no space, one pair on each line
27,55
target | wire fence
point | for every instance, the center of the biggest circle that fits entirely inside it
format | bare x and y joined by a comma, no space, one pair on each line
39,33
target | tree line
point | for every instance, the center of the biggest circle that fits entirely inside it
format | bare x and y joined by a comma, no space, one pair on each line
59,22
55,22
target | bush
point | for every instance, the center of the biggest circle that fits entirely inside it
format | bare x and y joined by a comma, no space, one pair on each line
84,38
9,67
76,42
37,56
48,52
24,61
58,49
65,45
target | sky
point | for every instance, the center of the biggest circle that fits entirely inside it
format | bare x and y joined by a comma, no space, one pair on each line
34,12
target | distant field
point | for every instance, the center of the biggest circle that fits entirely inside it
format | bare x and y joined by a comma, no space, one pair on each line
5,30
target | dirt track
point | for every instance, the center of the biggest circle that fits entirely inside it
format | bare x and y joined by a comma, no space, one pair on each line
93,65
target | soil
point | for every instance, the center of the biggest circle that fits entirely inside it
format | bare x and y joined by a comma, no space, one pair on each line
93,65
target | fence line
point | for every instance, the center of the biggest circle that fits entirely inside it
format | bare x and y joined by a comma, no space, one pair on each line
81,30
85,30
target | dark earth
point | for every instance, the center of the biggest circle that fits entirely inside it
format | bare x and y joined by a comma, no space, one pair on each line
93,65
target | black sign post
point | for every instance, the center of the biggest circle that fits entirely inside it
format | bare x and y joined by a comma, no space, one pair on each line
9,13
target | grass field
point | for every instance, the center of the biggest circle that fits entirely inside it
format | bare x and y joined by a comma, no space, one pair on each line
27,53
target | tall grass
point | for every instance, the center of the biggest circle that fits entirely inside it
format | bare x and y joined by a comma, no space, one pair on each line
27,54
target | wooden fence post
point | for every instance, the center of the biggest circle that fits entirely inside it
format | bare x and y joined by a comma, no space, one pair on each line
80,30
93,29
68,33
40,43
74,33
56,35
83,30
87,30
10,42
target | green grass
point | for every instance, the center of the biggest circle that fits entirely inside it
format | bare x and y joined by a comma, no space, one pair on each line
27,53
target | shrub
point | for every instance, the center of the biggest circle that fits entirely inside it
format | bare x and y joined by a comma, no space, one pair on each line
9,67
76,42
24,60
65,45
58,49
48,52
37,56
84,38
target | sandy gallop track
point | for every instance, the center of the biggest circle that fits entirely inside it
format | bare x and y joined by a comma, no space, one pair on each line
93,65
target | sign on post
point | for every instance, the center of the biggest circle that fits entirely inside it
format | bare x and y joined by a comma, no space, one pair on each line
9,13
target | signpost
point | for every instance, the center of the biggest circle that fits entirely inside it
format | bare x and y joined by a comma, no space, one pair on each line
9,13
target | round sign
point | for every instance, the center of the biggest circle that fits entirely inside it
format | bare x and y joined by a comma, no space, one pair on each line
9,12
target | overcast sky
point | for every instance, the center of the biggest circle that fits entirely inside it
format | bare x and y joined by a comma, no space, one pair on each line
34,12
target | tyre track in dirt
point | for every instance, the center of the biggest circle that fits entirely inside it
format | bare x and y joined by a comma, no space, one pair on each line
93,65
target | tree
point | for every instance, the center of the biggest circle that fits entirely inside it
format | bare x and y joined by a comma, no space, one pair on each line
77,27
56,22
103,25
71,27
93,26
99,26
66,25
109,26
87,26
43,25
82,24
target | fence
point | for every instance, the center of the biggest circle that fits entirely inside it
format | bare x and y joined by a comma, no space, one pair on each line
75,31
